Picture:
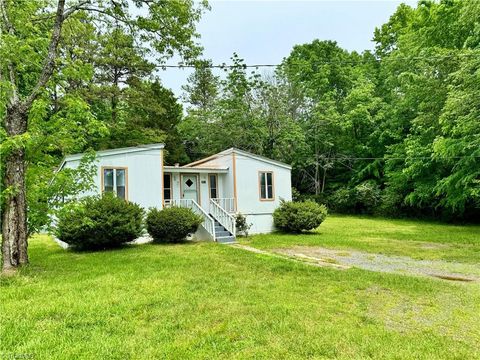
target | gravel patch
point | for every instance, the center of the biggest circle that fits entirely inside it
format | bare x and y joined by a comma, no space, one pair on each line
386,263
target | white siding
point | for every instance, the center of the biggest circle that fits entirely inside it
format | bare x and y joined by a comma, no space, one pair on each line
143,176
145,182
259,212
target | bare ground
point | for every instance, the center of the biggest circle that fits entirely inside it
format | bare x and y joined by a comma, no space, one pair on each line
344,259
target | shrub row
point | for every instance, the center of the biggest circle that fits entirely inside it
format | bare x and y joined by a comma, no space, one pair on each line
101,222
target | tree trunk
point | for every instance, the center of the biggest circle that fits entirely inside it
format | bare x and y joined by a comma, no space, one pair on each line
14,217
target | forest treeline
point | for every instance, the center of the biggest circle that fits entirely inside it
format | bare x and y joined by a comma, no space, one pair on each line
394,131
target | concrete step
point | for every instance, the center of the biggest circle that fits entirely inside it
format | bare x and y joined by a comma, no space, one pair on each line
226,239
222,233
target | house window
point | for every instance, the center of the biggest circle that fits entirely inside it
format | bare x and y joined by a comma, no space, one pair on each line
213,185
167,187
266,185
115,180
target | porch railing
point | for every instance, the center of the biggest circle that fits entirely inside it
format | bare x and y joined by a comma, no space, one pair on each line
228,204
208,222
223,217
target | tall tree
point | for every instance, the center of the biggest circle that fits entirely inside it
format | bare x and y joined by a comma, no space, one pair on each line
30,37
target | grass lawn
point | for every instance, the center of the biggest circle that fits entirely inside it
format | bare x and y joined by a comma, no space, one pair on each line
205,300
416,239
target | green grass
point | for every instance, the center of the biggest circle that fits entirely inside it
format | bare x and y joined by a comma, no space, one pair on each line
416,239
205,300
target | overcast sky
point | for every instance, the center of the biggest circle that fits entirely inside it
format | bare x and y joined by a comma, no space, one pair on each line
264,32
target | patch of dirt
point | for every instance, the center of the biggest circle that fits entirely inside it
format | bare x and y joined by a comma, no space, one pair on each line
298,257
385,263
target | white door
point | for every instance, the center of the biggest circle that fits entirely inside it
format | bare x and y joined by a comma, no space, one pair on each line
189,187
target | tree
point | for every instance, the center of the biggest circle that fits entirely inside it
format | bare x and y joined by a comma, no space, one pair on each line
202,88
32,31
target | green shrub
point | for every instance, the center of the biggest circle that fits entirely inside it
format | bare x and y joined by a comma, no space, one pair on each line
172,224
299,216
343,201
241,224
99,222
362,199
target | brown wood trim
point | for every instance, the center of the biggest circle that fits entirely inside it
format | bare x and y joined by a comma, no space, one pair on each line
209,188
199,199
234,165
102,168
260,172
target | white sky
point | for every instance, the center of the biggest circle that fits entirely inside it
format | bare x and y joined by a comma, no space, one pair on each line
266,31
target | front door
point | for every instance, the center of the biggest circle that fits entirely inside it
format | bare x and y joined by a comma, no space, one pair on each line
189,187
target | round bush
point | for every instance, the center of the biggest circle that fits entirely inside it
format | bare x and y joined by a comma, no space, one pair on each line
172,224
99,222
295,217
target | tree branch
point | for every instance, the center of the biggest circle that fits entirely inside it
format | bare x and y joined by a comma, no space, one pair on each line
74,8
49,62
10,66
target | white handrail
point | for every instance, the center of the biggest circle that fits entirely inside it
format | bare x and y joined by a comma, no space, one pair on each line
223,217
208,223
228,204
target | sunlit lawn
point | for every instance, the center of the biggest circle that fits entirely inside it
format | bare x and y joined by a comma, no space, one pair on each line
416,239
204,300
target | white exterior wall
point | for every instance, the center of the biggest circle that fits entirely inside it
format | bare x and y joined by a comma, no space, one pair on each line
144,175
144,179
259,212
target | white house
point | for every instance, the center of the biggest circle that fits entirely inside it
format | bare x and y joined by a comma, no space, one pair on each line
217,187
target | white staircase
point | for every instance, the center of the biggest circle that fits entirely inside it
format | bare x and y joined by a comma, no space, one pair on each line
225,223
219,224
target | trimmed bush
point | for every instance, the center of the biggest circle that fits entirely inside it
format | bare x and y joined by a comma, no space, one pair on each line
295,217
99,222
172,224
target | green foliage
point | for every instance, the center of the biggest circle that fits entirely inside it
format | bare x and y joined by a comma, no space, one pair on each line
47,195
394,132
172,224
242,224
99,222
296,217
103,91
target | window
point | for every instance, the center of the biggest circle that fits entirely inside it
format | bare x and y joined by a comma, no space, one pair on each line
266,185
115,180
167,187
213,185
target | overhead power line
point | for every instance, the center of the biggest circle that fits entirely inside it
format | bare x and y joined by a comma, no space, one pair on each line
331,61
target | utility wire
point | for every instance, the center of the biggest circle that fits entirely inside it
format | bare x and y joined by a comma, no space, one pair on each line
332,61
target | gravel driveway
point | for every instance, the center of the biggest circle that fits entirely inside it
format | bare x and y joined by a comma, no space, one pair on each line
385,263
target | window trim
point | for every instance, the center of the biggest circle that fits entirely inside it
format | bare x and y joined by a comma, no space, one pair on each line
210,187
260,172
170,187
114,168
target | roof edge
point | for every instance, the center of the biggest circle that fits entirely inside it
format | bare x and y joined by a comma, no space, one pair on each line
116,151
238,151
